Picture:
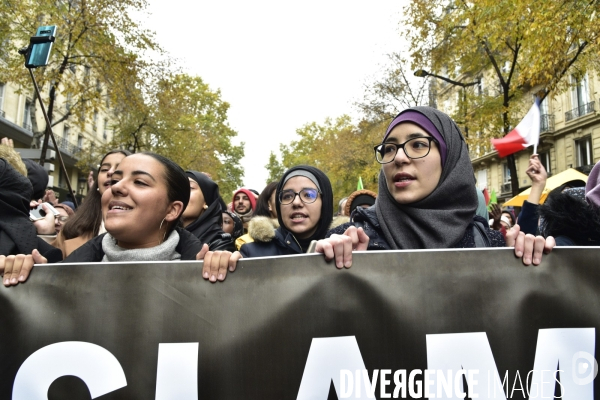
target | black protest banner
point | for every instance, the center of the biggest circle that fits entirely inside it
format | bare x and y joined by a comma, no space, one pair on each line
418,324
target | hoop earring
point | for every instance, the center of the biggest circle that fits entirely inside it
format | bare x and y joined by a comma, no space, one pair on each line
160,228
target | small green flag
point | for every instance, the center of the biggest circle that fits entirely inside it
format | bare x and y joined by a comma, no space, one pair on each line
493,199
360,185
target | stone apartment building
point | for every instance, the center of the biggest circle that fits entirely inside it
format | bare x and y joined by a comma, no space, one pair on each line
569,136
18,122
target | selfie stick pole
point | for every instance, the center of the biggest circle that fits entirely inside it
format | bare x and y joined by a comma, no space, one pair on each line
48,133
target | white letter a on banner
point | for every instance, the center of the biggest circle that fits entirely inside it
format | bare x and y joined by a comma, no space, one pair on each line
326,358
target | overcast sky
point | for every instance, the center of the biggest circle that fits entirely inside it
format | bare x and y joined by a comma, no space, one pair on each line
279,64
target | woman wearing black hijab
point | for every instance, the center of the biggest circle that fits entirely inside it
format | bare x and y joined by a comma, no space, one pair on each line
203,215
427,196
304,203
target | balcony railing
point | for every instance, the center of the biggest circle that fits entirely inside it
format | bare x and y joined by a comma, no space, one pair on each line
65,146
580,111
506,188
546,123
27,126
2,114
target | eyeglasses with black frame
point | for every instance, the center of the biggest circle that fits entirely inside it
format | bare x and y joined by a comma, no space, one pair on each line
307,196
414,148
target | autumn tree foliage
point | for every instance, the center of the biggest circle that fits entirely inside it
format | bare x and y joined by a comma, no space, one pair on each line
517,48
185,120
99,50
341,149
103,60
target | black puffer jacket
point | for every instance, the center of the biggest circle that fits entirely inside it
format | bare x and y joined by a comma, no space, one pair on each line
284,243
366,218
188,247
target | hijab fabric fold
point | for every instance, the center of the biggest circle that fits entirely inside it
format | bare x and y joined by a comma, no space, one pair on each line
209,224
439,220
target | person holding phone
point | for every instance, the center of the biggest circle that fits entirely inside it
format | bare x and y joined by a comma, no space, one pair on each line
18,237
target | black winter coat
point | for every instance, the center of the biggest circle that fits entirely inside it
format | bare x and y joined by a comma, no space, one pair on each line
366,218
188,247
208,229
284,243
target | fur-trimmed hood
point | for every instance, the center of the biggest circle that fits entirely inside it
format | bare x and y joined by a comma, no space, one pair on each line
339,220
262,229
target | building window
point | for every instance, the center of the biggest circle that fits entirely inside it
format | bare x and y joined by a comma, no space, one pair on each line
95,122
481,179
27,115
580,94
583,148
66,132
80,141
105,135
505,173
580,98
69,102
545,160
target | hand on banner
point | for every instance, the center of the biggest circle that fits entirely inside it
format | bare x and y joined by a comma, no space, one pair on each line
216,263
341,247
16,269
528,247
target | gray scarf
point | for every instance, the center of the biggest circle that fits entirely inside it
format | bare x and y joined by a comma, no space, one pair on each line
163,252
439,220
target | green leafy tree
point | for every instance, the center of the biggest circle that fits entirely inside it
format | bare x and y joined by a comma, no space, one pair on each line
515,47
275,169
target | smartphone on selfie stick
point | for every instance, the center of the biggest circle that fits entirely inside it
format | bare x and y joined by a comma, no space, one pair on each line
37,55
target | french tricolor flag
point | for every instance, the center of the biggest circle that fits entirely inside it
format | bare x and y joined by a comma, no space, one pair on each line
527,133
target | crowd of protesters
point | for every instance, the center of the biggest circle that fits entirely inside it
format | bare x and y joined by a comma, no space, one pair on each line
144,207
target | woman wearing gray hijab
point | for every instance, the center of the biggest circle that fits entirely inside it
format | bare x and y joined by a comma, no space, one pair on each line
427,196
